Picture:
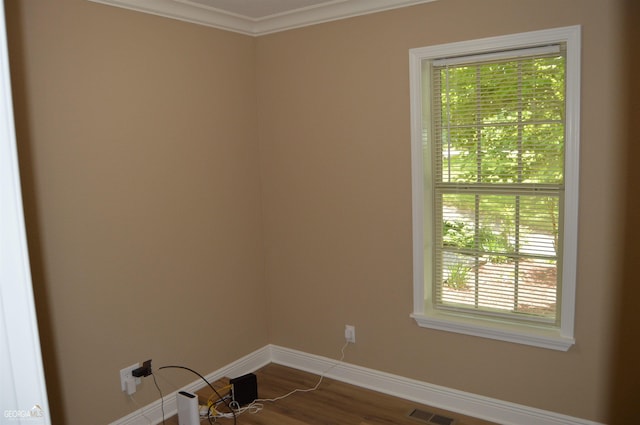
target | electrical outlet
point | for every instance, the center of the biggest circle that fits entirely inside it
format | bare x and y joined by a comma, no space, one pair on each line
126,374
350,333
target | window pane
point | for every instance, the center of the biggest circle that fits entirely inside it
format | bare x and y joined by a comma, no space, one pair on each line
513,91
458,156
500,122
502,154
543,153
498,253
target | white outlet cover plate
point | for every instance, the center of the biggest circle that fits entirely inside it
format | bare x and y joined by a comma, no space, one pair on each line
126,373
350,333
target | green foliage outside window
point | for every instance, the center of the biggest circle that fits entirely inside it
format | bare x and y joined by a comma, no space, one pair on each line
503,123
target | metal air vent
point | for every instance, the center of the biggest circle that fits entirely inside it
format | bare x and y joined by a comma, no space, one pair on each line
431,418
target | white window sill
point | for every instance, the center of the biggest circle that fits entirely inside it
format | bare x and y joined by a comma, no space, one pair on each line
516,333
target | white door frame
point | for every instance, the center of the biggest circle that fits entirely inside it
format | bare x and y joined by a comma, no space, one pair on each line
23,393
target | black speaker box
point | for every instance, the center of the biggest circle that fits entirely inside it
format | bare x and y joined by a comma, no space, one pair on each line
245,388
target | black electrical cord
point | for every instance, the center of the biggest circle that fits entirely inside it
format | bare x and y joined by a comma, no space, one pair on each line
161,397
210,386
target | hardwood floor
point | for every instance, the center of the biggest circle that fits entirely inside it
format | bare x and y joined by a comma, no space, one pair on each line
333,403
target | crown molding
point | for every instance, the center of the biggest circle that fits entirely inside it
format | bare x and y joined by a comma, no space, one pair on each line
198,13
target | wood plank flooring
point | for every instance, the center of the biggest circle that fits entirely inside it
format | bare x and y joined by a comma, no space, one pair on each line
333,403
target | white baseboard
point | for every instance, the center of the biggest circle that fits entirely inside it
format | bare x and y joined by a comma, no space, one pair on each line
490,409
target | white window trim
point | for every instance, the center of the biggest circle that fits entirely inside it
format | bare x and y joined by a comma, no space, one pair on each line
561,338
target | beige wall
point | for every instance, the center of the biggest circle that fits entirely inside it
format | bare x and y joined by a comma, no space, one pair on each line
147,201
138,150
335,142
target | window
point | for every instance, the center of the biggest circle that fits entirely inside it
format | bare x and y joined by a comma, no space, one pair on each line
495,185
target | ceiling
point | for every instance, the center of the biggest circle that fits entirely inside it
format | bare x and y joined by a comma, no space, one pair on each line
259,17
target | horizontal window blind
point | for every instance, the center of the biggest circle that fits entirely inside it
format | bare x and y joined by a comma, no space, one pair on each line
498,176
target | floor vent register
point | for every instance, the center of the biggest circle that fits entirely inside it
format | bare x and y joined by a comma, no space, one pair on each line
431,418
